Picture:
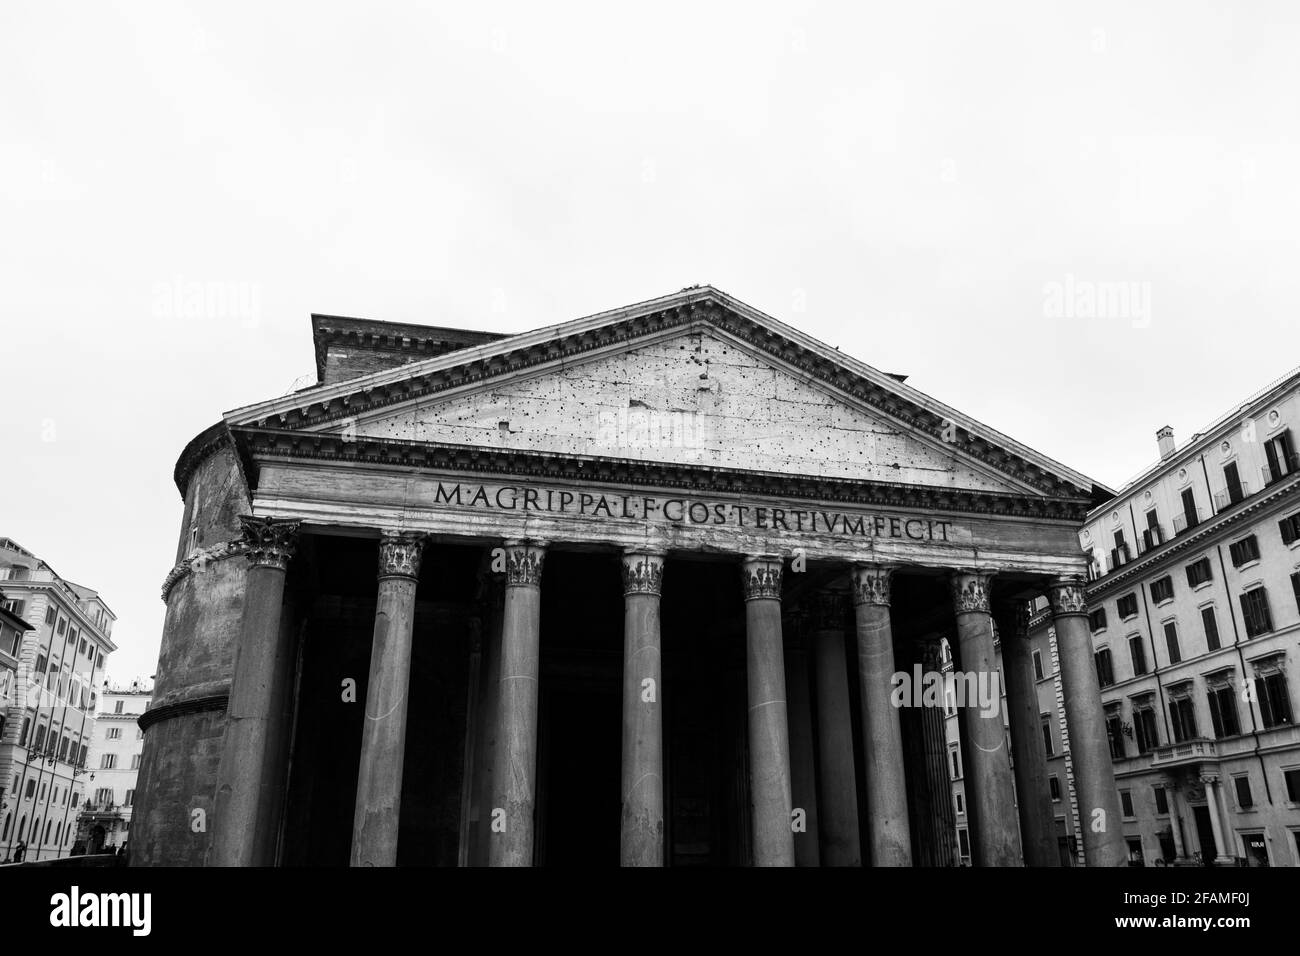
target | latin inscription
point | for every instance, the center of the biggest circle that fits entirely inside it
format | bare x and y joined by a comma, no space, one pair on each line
690,511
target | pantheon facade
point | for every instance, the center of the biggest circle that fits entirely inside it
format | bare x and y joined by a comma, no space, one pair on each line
633,589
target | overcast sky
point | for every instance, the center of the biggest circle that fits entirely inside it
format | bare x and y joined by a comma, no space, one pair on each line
937,189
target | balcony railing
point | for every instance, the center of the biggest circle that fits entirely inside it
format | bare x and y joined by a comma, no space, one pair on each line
1230,496
1185,522
1152,537
1287,465
1117,558
1189,751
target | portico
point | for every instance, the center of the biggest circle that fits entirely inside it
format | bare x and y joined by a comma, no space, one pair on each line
572,644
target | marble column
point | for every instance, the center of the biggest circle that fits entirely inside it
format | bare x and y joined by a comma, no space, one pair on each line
769,735
890,837
641,837
377,814
990,789
1034,799
803,762
250,791
511,826
1222,855
836,783
1094,776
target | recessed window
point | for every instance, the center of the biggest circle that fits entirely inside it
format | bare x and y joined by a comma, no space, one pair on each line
1137,655
1054,786
1105,676
1281,457
1171,642
1199,573
1245,799
1162,589
1126,802
1223,710
1211,625
1254,609
1115,735
961,804
1045,723
1097,619
1144,728
1244,551
1272,696
1182,716
1038,655
1162,800
1127,606
1292,778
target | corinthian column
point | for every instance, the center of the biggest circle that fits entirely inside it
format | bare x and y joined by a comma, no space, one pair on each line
511,826
1094,777
990,789
769,733
882,735
641,837
250,782
383,737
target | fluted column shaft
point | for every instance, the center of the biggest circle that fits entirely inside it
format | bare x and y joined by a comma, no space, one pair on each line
641,834
882,738
511,827
1094,775
250,777
769,734
377,814
989,786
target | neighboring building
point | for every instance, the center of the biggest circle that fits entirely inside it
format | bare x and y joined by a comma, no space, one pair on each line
687,459
13,629
115,746
47,720
1194,603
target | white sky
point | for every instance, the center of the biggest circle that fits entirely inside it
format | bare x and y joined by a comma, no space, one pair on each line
902,180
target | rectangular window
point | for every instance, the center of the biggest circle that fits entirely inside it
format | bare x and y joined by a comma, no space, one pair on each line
1054,785
1115,734
1254,609
1144,729
130,798
113,733
1126,802
961,808
1105,676
1162,590
1127,606
1182,717
1190,515
104,796
1232,479
1211,628
1038,655
1171,641
1162,800
956,764
135,761
117,708
1274,701
1292,778
1245,799
1281,458
1152,535
1295,588
1244,551
1199,572
963,842
1223,711
1047,735
1290,527
1137,655
1097,619
108,762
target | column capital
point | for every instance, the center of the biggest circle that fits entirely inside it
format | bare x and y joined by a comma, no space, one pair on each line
1067,597
1209,778
830,610
871,583
524,558
970,592
643,572
762,574
399,554
269,542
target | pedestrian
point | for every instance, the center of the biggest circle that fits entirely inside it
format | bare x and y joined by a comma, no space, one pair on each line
20,851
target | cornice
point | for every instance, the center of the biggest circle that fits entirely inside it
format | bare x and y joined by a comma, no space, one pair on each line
1205,533
262,444
564,344
198,562
200,447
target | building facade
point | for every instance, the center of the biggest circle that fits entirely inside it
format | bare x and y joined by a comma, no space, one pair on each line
1195,614
116,743
50,712
630,589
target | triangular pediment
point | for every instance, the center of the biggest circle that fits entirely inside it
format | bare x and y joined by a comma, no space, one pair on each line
696,379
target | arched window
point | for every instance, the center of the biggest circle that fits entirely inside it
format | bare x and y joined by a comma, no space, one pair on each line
48,825
36,831
31,788
22,822
58,834
67,836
